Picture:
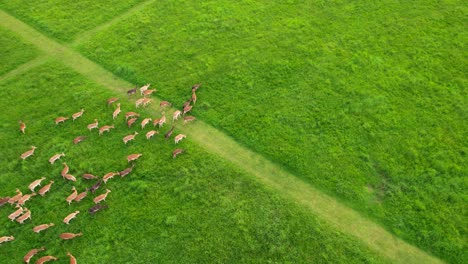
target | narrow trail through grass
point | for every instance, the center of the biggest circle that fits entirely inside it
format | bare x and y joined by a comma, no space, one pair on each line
24,67
82,37
343,218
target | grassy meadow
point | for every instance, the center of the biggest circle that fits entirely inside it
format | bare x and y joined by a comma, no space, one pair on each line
364,100
192,209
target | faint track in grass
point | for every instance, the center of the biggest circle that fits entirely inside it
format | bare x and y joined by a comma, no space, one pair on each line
84,36
324,206
24,67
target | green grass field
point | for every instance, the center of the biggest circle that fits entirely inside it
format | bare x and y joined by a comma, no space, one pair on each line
196,208
365,101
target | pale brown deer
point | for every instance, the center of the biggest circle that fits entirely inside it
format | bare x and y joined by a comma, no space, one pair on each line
131,121
177,152
116,112
105,129
188,119
24,217
78,139
133,157
56,157
129,137
72,196
67,236
61,119
46,259
145,122
4,239
42,227
81,196
131,114
16,213
22,127
109,176
176,115
179,137
139,102
15,198
112,100
101,197
78,114
93,125
27,258
151,133
69,217
35,183
144,88
45,189
25,198
72,258
28,153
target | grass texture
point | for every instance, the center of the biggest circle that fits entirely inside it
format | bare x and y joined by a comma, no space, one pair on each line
14,51
364,100
193,209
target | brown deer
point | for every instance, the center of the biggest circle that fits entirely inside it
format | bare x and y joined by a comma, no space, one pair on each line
69,177
105,129
25,198
72,196
112,100
24,217
151,133
67,236
131,114
89,176
81,196
169,133
35,183
132,91
116,111
61,119
64,170
16,213
28,153
144,88
69,217
186,103
187,109
109,176
145,122
188,119
78,139
4,239
22,127
45,189
146,101
139,102
56,157
15,198
78,114
162,120
129,137
4,200
126,171
72,258
42,227
195,87
93,125
194,97
177,152
133,157
101,197
179,137
46,259
131,121
164,104
31,254
96,208
148,92
176,115
95,186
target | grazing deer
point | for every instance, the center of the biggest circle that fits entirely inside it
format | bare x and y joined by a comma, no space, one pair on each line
72,258
132,91
25,198
89,176
116,112
165,104
78,114
129,137
126,171
95,186
67,236
131,121
186,103
105,129
64,170
78,139
187,109
4,239
169,133
16,213
61,119
4,200
176,115
96,208
194,97
42,227
146,101
24,217
69,217
22,127
139,102
28,153
101,197
188,119
46,259
133,157
72,196
69,177
112,100
176,152
131,114
109,176
144,88
145,122
45,189
195,87
15,198
81,196
148,92
35,183
93,125
31,254
162,120
179,138
56,157
151,133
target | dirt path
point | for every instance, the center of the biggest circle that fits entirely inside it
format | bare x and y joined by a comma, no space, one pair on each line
325,207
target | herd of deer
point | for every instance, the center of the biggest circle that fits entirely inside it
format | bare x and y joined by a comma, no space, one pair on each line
21,214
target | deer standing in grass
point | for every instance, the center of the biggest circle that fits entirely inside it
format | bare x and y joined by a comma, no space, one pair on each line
45,189
78,139
56,157
139,102
188,119
151,133
72,258
24,217
4,239
144,88
67,236
46,259
72,196
32,253
15,198
176,115
16,213
69,217
35,183
116,111
61,119
131,121
133,157
42,227
81,196
112,100
194,97
109,176
177,152
25,198
93,125
129,137
101,197
77,114
22,127
179,137
105,129
131,114
28,153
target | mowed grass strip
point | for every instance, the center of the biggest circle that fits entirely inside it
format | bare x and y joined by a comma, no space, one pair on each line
196,208
65,19
14,51
363,100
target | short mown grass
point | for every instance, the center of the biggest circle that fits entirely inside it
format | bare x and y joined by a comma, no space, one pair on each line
196,208
14,51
